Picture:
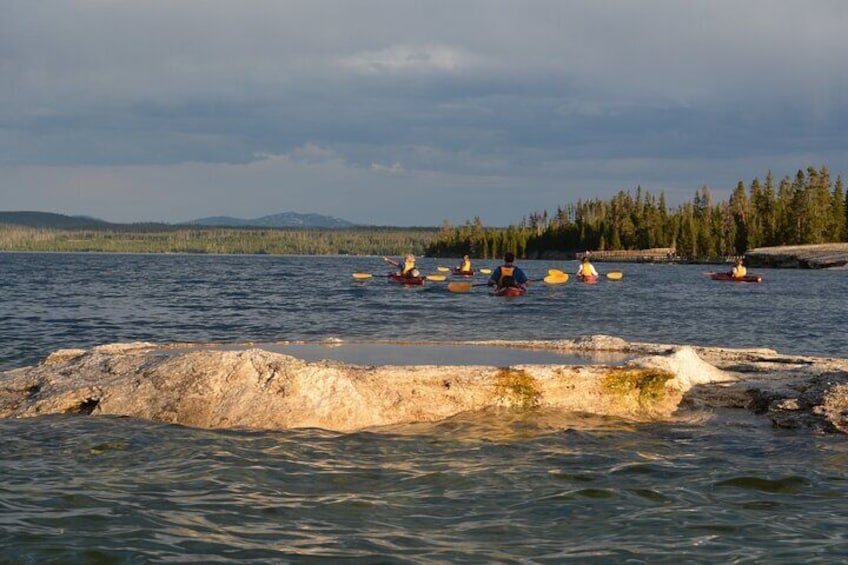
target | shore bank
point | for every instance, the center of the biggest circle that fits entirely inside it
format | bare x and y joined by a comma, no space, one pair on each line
821,256
252,387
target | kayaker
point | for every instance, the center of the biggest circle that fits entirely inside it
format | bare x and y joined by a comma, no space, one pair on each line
586,269
508,274
407,266
466,265
739,271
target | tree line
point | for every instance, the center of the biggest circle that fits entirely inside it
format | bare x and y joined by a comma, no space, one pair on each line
809,208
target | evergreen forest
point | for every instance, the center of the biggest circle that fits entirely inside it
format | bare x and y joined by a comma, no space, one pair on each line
809,208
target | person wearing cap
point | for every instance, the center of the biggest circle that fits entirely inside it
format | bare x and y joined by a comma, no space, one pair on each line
508,274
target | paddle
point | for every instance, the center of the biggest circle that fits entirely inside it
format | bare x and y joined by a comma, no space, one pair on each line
463,286
467,286
486,271
612,275
364,276
443,269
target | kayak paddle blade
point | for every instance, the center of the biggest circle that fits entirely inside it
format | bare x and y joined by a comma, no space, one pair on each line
362,276
556,279
615,275
436,278
459,287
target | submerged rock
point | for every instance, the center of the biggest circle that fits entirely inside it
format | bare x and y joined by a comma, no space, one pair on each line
255,388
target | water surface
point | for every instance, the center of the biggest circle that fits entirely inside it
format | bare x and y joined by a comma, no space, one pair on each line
498,486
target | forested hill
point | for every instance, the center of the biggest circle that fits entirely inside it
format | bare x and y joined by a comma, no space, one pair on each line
49,220
807,209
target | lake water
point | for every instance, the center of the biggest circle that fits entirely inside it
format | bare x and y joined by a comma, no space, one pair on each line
495,487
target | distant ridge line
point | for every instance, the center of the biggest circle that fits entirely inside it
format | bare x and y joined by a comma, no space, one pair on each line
281,220
51,220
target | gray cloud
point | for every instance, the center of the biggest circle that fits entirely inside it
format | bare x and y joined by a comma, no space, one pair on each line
455,106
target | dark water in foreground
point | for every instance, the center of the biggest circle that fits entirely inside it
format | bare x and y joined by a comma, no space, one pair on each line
496,487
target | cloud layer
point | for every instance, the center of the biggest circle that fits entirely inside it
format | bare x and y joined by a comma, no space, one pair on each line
394,112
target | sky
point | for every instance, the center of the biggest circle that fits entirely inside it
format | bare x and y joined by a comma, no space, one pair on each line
409,113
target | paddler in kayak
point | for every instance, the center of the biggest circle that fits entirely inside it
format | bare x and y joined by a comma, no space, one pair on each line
586,270
739,271
508,274
406,267
465,268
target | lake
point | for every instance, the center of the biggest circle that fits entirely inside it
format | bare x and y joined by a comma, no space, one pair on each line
498,486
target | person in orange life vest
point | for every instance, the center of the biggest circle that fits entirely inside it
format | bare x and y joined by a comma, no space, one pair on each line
406,267
739,271
508,274
466,265
586,269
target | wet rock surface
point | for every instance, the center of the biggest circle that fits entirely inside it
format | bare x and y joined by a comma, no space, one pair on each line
250,387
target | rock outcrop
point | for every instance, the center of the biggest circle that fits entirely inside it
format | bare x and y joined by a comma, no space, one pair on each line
819,256
254,388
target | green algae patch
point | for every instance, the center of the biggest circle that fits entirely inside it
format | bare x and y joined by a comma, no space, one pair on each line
517,388
646,386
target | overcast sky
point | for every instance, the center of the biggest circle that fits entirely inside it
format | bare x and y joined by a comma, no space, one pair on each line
409,112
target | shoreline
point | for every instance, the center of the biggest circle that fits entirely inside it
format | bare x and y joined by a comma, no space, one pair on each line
832,256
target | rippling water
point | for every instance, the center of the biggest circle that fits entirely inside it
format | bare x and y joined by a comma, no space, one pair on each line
500,486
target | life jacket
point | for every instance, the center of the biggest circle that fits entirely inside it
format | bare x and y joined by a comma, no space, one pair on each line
586,270
506,278
739,271
408,268
466,266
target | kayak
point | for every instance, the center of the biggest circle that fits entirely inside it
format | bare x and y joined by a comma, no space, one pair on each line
589,279
462,273
416,281
510,291
729,277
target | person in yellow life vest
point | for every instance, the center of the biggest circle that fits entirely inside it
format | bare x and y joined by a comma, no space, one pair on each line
586,270
466,265
739,271
406,267
508,274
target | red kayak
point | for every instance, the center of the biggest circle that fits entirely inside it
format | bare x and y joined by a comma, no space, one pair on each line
589,279
415,281
729,277
462,273
510,291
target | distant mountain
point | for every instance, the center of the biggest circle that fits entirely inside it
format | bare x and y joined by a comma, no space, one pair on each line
51,220
282,220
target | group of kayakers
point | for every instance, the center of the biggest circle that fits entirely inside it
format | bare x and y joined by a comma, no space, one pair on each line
507,275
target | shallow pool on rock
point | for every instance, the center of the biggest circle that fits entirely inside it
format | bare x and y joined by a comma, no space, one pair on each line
419,354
